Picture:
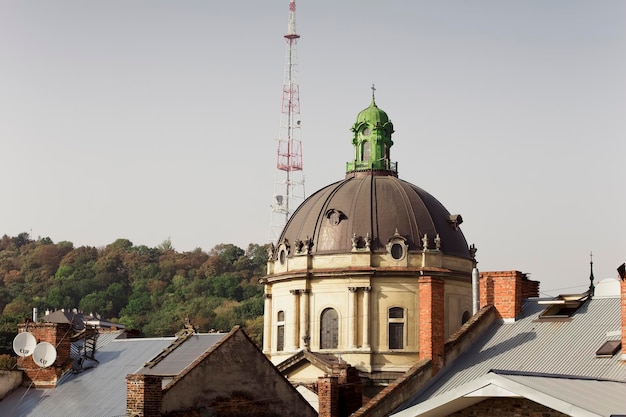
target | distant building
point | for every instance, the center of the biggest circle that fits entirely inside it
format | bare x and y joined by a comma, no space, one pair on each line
80,321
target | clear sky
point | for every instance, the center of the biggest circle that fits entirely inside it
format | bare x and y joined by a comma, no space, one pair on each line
150,120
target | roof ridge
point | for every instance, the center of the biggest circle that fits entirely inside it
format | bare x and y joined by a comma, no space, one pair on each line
551,375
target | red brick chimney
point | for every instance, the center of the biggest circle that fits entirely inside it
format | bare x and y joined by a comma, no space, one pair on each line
349,387
506,290
328,396
144,395
431,321
58,335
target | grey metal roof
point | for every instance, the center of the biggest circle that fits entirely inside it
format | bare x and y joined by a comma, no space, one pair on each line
529,345
602,397
573,396
182,356
96,392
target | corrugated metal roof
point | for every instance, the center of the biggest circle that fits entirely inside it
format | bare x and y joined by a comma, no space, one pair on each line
575,396
96,392
601,397
183,355
529,345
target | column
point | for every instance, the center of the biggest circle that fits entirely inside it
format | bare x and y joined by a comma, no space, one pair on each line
352,318
366,317
295,343
304,319
267,324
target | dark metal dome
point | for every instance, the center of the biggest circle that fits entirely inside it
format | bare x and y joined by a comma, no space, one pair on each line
369,208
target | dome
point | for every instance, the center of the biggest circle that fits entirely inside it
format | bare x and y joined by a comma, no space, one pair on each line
372,115
377,207
372,207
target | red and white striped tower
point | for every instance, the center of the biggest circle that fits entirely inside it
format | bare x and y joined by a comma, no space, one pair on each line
289,184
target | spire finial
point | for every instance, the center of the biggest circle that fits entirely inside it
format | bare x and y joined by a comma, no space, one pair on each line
591,286
373,94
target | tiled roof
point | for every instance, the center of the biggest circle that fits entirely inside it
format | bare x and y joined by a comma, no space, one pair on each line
173,361
324,361
534,346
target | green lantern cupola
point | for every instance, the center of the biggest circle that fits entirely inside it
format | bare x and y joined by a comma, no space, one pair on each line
372,140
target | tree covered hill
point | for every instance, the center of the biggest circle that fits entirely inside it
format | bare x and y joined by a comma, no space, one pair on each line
152,290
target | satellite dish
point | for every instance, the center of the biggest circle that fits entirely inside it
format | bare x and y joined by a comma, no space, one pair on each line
44,354
24,344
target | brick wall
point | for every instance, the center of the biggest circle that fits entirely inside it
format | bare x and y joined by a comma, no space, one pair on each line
233,378
143,395
507,407
623,297
328,396
396,393
530,288
431,320
58,335
350,388
505,291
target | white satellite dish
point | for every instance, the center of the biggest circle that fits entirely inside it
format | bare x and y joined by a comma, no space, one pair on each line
24,344
44,354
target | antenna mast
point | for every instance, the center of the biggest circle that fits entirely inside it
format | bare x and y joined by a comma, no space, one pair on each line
289,183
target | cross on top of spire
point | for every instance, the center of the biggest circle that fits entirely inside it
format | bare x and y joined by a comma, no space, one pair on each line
373,92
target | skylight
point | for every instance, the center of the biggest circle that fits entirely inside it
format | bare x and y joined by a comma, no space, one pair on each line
563,306
609,348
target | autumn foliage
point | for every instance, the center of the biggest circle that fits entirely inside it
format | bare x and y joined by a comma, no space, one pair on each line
151,290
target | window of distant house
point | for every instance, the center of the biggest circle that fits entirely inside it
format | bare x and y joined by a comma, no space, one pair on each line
329,331
280,331
396,328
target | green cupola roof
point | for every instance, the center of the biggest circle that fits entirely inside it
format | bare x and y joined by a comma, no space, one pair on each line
372,115
372,140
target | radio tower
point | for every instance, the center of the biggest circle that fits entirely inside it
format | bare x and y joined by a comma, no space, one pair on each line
289,184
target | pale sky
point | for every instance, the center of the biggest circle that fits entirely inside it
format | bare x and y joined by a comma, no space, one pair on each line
150,120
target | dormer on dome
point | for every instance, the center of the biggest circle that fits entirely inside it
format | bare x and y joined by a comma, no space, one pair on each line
372,141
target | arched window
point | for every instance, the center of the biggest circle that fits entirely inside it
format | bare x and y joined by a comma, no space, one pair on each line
329,331
466,316
366,151
280,331
396,328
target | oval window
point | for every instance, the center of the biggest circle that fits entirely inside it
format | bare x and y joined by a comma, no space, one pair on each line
397,251
283,256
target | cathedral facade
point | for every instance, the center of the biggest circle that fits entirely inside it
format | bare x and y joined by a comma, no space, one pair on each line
370,269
